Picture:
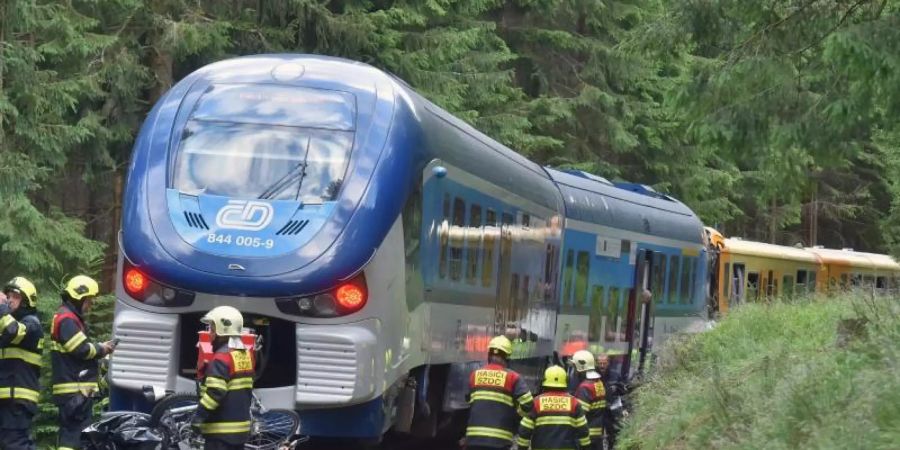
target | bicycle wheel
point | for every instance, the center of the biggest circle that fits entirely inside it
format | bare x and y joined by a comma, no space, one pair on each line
172,415
272,429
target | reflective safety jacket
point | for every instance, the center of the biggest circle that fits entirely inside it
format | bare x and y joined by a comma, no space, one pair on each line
21,343
556,422
498,396
592,396
72,353
226,389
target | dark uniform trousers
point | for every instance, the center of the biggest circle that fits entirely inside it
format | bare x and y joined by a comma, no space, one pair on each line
72,353
592,397
21,342
496,395
556,422
226,391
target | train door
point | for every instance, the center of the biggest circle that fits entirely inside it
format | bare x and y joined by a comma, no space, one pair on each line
639,321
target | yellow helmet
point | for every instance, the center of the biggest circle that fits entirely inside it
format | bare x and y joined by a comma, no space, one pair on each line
500,344
82,286
226,320
555,377
25,288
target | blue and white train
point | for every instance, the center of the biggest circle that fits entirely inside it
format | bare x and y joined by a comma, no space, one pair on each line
376,243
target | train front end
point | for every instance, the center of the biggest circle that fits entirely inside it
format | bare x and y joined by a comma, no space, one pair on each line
273,184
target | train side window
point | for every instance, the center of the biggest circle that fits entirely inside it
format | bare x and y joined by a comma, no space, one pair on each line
801,281
583,266
526,220
474,243
659,276
770,285
687,269
753,286
880,283
787,285
568,274
844,281
508,219
674,267
595,320
612,314
738,284
456,243
445,239
490,218
811,281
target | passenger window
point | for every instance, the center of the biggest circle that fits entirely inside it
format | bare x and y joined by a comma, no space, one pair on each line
456,243
770,285
490,218
445,239
612,315
787,285
508,219
581,282
659,276
801,281
811,283
473,243
674,267
568,274
526,220
595,325
686,270
753,286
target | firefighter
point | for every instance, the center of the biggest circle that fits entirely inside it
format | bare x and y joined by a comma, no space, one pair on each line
226,383
21,341
498,396
74,359
591,394
557,420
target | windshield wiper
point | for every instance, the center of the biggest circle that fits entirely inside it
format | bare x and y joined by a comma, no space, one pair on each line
298,171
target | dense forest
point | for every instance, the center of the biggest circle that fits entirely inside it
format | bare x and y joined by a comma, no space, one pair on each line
775,121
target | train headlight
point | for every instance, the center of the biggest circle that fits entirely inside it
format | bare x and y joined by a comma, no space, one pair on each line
135,282
142,288
324,305
350,297
347,298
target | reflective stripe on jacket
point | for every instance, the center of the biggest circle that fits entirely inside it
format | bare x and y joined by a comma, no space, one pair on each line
592,396
71,353
21,344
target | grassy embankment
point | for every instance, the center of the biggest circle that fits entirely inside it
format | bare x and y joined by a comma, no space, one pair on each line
820,373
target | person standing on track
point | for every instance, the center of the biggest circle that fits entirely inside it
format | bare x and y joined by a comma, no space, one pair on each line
74,359
497,394
226,384
591,394
557,420
21,340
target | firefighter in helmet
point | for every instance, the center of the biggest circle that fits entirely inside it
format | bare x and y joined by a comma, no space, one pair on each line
74,358
498,396
21,341
226,383
557,420
591,394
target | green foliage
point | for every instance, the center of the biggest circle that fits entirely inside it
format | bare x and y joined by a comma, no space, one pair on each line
779,376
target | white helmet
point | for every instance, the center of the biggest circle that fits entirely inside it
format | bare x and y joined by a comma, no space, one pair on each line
584,362
225,320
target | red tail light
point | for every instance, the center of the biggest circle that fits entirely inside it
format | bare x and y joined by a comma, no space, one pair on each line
135,282
350,297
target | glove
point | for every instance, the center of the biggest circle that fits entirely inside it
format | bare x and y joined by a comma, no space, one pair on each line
196,423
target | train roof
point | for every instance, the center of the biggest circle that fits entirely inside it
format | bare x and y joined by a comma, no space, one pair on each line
626,206
853,258
761,249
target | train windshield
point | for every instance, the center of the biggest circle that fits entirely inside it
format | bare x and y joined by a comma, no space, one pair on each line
266,141
261,161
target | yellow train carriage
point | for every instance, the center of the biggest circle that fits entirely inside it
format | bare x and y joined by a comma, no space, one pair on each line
851,269
749,271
